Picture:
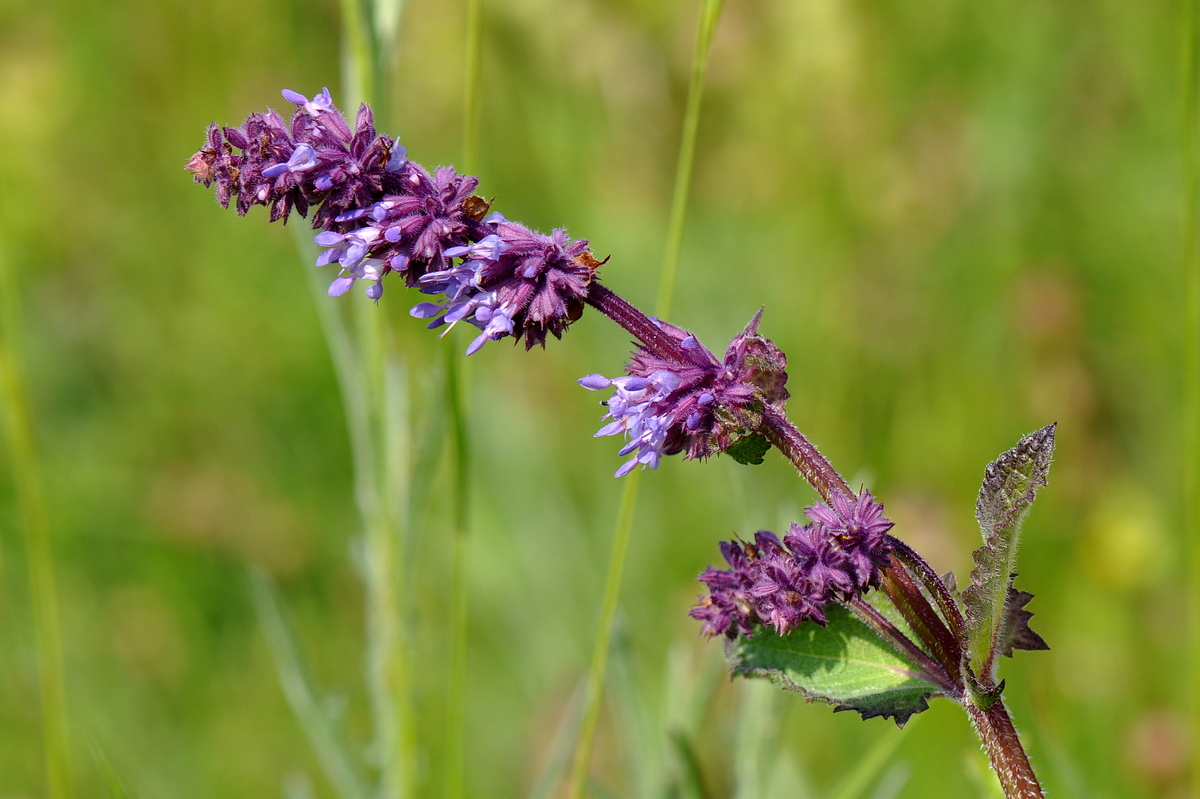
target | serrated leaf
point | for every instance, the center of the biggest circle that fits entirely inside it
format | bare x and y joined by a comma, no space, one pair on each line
993,607
749,450
844,663
1015,632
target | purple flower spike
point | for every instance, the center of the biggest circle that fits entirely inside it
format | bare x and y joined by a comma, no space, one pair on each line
783,584
513,282
700,406
861,530
316,158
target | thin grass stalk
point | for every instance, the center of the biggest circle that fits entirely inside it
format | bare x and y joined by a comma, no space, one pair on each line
359,76
376,413
300,690
39,551
456,393
380,486
455,776
709,14
608,613
1190,274
472,73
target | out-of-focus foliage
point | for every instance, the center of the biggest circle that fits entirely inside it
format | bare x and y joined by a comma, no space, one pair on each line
961,216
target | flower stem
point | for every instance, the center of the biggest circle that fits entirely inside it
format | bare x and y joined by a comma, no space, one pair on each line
920,615
933,584
39,551
640,326
811,464
1004,750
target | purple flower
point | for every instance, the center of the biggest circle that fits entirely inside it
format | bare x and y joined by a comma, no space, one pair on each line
783,584
316,158
861,531
688,401
216,163
410,232
512,282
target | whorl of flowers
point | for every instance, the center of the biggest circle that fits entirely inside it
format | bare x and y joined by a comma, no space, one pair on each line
379,212
835,557
513,282
315,158
689,401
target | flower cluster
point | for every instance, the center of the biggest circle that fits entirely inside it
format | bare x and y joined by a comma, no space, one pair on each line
408,232
313,159
835,557
380,212
512,282
689,401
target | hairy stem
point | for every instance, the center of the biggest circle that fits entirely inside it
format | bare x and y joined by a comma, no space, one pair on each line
811,464
920,615
1004,750
640,326
933,584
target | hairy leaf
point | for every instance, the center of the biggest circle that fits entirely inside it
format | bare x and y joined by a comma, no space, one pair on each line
1015,632
844,663
749,450
995,623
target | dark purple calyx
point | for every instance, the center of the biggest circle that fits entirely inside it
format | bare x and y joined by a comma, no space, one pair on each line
834,558
512,282
313,159
681,398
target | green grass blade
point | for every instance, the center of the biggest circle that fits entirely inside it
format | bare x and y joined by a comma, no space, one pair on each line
612,583
301,693
456,383
108,774
1190,278
709,15
38,547
558,759
459,630
866,769
600,647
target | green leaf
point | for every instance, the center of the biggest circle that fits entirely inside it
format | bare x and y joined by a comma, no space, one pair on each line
301,692
996,622
749,450
844,663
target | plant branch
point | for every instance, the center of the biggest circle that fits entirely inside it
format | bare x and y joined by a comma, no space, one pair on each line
811,464
640,326
933,584
920,615
1004,750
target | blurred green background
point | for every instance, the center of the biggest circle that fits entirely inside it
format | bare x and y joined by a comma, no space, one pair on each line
962,218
